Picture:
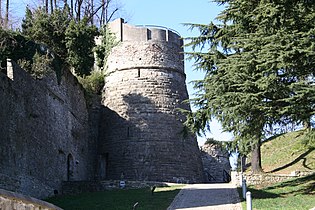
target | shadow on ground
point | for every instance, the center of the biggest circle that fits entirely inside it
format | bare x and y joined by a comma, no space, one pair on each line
300,186
296,160
207,197
303,185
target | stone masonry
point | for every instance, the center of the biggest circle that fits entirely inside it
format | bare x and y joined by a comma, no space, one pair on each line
216,163
49,134
16,201
144,87
44,133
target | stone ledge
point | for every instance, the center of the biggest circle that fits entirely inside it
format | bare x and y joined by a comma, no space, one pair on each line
10,199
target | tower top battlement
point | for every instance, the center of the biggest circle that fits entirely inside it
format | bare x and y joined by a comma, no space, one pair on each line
126,32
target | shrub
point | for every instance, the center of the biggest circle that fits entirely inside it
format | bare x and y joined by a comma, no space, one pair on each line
92,83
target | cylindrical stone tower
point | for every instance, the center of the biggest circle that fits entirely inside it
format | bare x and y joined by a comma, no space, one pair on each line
142,135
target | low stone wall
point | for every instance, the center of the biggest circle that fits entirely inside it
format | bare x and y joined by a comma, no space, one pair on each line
10,200
76,187
258,179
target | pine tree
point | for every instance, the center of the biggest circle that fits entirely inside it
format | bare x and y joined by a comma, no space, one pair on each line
48,29
259,69
79,38
6,20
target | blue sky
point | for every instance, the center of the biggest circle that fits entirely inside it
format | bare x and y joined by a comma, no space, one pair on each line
168,13
173,14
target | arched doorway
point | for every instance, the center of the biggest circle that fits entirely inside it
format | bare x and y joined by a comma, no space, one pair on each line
69,167
103,164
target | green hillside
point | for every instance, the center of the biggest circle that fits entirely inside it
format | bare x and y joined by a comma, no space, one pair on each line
287,153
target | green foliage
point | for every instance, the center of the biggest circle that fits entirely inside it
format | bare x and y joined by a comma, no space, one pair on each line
225,146
15,46
70,41
48,29
64,44
79,38
42,65
108,41
93,83
27,22
259,68
28,54
213,141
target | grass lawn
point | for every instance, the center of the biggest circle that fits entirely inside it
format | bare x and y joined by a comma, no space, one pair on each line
120,199
287,153
293,194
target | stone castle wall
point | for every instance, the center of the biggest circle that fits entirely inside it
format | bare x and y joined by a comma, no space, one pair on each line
144,85
44,133
48,133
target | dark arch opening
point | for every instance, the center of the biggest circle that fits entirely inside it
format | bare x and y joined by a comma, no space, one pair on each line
69,167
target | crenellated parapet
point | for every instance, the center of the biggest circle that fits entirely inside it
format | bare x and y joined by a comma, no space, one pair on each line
126,32
145,47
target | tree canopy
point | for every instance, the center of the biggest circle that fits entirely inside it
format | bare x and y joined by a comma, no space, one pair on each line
64,30
97,12
259,69
70,40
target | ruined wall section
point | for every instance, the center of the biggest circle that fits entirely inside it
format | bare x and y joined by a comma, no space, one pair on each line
144,85
216,163
44,133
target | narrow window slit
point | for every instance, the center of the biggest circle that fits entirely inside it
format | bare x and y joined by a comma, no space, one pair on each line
128,132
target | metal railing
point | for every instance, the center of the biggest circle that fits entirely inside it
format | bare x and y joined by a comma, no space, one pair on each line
159,27
226,176
210,178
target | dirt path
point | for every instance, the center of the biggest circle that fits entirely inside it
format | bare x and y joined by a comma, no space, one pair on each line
207,196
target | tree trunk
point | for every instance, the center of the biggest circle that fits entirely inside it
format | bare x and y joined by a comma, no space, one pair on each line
102,20
106,11
307,124
51,6
46,6
256,159
0,13
243,163
71,8
6,21
92,12
79,5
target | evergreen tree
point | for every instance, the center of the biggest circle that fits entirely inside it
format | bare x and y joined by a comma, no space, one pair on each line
69,40
27,22
259,69
80,44
108,41
48,29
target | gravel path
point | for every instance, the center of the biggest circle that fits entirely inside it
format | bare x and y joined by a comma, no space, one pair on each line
207,196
